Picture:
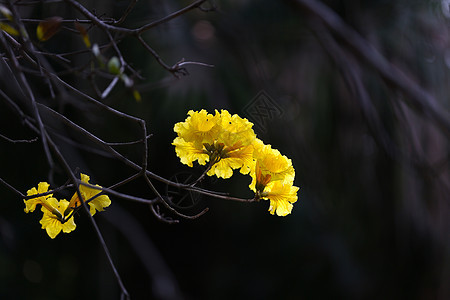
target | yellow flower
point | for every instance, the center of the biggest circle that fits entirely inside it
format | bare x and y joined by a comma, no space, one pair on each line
234,157
188,153
281,196
273,178
235,129
228,142
270,162
199,128
223,140
238,136
57,214
51,223
88,194
30,205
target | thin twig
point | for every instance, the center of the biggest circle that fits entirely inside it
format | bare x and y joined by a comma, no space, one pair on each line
173,15
18,141
126,12
195,63
175,70
97,21
129,143
12,188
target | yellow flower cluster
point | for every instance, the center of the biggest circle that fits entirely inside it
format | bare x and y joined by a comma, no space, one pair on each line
58,214
223,140
228,142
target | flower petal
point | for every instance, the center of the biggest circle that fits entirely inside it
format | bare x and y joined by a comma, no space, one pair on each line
51,223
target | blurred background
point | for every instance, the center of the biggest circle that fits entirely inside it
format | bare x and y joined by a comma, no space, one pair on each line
372,218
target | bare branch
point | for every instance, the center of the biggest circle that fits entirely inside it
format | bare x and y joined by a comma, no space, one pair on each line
97,21
126,12
18,141
173,15
176,70
12,188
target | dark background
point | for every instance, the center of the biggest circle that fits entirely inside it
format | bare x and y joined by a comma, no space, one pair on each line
372,218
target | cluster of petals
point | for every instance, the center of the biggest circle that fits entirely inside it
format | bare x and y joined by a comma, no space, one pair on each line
91,195
222,139
58,214
273,178
228,142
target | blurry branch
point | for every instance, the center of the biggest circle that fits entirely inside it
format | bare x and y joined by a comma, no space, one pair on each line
404,143
164,283
352,76
418,98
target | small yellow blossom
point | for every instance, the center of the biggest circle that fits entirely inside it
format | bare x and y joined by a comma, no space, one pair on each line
273,178
236,157
223,140
280,193
281,196
89,194
30,205
236,130
51,223
58,215
188,153
271,162
199,128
